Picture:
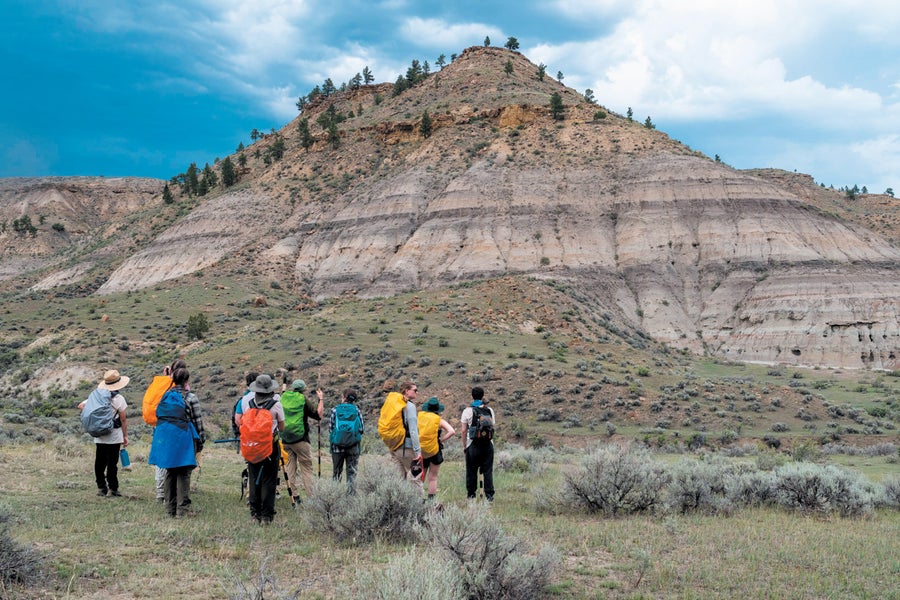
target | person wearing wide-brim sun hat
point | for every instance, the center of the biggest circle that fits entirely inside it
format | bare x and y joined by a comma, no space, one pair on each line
433,432
106,458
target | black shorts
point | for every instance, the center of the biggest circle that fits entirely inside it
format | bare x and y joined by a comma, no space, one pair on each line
434,460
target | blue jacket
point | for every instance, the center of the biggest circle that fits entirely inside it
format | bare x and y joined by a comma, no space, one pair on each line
174,435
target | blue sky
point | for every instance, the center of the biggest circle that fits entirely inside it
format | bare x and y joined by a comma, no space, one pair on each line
145,87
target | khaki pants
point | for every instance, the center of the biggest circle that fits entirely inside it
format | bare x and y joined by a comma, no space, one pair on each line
403,458
299,455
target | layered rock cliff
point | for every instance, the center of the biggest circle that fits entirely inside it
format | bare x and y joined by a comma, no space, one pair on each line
699,255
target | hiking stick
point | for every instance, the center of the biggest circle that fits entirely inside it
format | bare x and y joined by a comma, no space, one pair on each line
319,427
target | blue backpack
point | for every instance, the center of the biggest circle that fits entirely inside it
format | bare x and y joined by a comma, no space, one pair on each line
98,417
347,430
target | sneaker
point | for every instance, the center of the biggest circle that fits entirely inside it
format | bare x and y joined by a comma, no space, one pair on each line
102,492
115,493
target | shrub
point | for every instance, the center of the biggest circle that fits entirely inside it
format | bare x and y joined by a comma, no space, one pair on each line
491,564
810,487
383,507
261,583
699,486
616,480
431,579
19,565
518,459
754,488
890,496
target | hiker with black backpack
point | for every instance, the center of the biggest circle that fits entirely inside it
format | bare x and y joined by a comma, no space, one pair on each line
477,438
177,440
103,418
298,410
260,418
346,426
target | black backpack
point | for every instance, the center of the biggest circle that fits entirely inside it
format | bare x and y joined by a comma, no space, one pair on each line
482,427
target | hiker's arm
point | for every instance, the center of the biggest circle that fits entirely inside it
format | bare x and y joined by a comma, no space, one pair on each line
281,425
237,419
81,404
449,432
320,410
463,431
124,427
197,417
412,421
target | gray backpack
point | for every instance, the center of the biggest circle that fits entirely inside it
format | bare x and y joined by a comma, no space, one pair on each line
98,417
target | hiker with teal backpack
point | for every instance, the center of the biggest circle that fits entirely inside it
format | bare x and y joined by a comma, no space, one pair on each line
298,410
177,439
346,427
103,418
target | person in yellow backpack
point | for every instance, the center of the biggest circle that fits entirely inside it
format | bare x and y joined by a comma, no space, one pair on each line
398,427
433,432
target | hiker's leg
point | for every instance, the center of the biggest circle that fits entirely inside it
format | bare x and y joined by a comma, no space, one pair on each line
183,488
100,467
432,476
254,477
304,462
403,458
267,489
112,466
291,468
487,469
471,472
160,478
170,492
337,465
352,460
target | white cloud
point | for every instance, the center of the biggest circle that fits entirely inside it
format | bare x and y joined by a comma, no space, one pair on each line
435,33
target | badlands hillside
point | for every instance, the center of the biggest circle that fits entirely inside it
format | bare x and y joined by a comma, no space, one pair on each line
759,265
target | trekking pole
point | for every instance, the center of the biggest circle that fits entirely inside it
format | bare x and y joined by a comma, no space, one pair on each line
319,427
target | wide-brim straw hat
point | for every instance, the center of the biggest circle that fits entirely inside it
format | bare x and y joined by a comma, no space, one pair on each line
113,381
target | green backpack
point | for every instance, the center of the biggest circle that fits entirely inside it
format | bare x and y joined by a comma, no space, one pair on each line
294,404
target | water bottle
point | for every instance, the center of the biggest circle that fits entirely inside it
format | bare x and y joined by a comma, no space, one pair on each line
126,461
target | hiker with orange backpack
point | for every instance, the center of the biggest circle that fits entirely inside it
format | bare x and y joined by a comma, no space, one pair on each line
259,420
398,427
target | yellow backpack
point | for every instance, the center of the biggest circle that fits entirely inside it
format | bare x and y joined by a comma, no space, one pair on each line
391,426
155,391
429,431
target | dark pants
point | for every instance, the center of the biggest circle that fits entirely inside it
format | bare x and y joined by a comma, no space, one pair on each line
177,489
106,466
350,458
263,479
480,457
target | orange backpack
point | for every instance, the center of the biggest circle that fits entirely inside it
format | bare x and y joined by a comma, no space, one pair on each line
257,436
155,391
391,426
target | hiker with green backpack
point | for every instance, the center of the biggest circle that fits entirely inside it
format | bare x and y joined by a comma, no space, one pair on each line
346,427
298,410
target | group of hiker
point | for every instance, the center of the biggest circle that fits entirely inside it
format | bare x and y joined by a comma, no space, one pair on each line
271,420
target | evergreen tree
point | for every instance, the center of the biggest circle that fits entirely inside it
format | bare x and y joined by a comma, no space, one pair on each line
541,71
453,57
334,136
414,73
629,114
306,138
242,160
441,61
889,192
487,40
301,103
167,195
192,180
425,127
367,75
649,124
400,86
254,135
328,87
355,81
209,177
556,106
511,44
559,76
229,175
508,67
589,96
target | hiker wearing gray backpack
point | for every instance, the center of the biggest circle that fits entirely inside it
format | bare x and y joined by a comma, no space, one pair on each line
346,426
298,410
103,417
478,444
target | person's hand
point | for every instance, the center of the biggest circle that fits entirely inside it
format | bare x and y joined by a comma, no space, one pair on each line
320,394
124,440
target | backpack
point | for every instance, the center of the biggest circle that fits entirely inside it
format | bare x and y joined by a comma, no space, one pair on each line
256,432
98,416
429,433
482,427
347,430
391,423
159,386
234,428
294,404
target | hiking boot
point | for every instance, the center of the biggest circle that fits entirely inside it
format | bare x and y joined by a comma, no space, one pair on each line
295,501
102,492
116,493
